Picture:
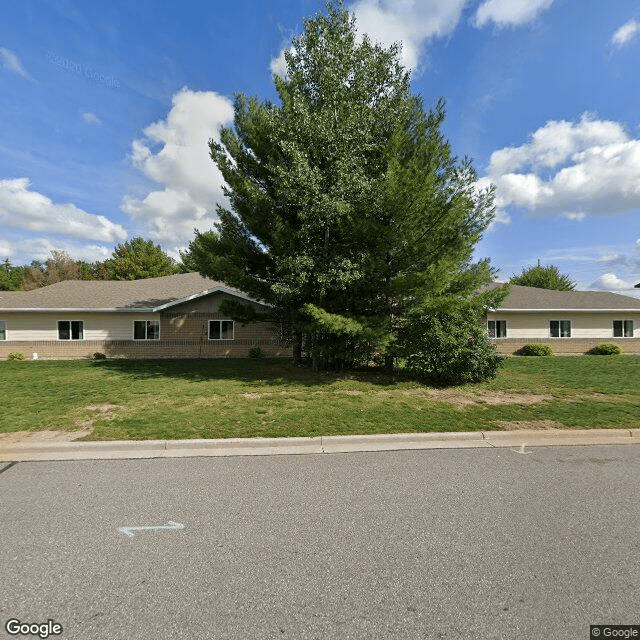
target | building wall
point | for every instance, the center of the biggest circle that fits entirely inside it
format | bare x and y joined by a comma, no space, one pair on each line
587,330
183,334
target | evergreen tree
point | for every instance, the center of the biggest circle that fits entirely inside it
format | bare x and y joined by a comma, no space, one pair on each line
348,212
10,276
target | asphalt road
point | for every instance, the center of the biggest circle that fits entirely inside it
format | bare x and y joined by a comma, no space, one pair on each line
466,543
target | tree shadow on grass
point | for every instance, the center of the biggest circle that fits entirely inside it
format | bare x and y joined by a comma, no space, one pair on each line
265,371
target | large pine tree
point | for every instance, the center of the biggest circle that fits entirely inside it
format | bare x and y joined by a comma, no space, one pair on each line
348,212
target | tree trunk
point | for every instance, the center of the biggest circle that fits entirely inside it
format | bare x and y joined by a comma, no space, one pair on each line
297,347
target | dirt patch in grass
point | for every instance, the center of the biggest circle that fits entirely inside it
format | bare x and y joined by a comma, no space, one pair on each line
252,396
31,437
498,397
101,411
513,425
460,399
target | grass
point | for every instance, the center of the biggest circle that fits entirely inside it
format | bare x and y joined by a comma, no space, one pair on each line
162,399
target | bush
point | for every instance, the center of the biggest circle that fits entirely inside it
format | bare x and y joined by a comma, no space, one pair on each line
16,355
255,352
99,356
605,349
451,349
535,349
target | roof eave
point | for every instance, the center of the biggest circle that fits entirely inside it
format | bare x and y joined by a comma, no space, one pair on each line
77,310
564,310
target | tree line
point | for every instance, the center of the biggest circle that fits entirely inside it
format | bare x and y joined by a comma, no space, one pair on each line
132,260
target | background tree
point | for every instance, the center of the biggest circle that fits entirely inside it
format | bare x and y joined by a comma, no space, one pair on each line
543,277
348,212
58,267
137,259
10,276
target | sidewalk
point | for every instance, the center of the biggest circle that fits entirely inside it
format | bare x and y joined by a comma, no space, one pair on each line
318,445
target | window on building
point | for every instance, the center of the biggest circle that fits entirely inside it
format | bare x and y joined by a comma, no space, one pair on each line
220,329
146,329
3,330
70,330
497,328
623,328
560,328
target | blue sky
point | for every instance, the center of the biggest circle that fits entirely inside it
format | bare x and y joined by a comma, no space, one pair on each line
107,107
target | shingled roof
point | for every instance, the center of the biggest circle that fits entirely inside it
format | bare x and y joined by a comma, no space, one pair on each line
535,299
151,294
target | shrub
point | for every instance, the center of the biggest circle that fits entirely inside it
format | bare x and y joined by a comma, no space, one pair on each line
255,352
605,349
535,349
99,356
451,349
15,356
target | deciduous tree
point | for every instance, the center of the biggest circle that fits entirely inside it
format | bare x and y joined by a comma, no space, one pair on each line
544,277
137,259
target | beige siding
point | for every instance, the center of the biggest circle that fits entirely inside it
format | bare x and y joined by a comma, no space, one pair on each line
583,325
27,327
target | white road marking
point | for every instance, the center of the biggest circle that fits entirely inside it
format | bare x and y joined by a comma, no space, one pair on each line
129,531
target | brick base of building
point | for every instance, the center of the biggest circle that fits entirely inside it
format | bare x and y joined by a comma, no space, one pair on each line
566,346
54,350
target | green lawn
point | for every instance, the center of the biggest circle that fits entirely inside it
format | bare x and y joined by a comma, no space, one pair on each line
123,399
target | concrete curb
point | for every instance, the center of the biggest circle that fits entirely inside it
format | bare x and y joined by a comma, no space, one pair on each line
318,445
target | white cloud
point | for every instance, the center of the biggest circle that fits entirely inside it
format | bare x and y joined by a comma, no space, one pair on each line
611,282
6,250
510,13
40,248
10,60
279,65
410,22
91,118
21,208
575,170
625,33
191,184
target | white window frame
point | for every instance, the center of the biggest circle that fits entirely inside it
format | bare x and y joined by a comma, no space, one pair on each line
495,329
146,330
70,338
233,330
560,336
623,329
5,330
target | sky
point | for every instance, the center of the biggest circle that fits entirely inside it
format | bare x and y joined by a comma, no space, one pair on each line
108,106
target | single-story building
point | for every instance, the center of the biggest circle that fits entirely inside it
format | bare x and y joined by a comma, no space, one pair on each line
572,322
172,316
178,317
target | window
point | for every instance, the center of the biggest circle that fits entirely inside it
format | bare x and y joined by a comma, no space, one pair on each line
623,328
497,328
70,330
3,330
220,329
146,329
560,328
